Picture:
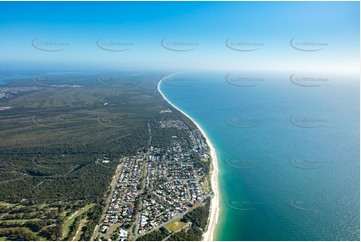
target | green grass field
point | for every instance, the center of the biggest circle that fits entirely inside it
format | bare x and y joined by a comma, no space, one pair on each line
5,204
175,225
72,218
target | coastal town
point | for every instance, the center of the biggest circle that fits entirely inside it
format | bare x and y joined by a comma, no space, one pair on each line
9,92
157,186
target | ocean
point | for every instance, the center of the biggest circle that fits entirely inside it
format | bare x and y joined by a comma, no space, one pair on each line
287,147
7,77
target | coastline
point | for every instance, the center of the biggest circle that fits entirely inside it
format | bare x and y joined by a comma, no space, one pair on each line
214,207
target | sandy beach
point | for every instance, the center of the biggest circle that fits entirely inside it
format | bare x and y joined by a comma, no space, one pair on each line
214,208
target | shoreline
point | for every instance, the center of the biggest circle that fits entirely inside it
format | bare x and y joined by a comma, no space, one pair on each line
214,207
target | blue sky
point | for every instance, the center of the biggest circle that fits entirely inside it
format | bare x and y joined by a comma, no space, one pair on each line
266,28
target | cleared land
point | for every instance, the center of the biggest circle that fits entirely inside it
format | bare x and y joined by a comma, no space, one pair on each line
176,226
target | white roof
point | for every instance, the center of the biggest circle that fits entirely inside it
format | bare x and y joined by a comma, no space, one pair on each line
123,233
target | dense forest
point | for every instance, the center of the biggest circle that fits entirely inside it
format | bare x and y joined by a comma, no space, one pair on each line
53,183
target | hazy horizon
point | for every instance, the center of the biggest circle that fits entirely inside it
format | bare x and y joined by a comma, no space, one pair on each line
224,36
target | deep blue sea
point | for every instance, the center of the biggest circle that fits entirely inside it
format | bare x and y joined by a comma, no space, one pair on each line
288,151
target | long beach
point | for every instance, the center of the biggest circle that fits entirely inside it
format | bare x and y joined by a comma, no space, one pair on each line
214,208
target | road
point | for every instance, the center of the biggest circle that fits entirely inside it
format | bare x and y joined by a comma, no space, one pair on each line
112,187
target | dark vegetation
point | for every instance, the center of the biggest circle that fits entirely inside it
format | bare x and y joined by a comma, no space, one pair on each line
198,218
191,234
53,141
156,235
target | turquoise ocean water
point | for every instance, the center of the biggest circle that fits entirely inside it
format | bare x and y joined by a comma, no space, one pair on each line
288,151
